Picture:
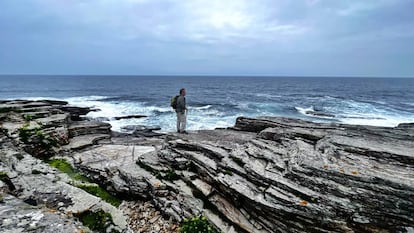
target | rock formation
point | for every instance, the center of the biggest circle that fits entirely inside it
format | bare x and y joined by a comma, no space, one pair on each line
262,175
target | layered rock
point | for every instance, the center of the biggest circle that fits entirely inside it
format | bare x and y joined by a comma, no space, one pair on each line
37,197
262,175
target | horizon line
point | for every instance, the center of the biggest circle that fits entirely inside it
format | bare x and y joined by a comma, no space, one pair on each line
214,75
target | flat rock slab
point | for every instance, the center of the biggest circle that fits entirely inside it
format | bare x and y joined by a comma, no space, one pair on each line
83,141
88,127
110,156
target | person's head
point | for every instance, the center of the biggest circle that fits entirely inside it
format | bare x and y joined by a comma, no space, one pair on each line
182,91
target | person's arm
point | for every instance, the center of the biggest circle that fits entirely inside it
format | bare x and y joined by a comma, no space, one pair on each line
185,106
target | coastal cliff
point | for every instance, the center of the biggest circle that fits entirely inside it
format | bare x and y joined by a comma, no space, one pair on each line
262,175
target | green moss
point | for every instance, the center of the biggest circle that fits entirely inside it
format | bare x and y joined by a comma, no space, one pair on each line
228,172
197,225
3,175
238,161
65,167
102,193
96,221
25,133
38,143
28,117
6,109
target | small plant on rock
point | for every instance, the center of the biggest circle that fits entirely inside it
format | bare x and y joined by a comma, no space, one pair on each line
197,225
28,117
37,142
228,172
6,109
102,193
98,221
65,167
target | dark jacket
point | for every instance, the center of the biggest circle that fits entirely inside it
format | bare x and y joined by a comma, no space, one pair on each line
181,106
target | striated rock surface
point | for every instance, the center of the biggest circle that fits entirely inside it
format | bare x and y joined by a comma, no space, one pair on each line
262,175
18,216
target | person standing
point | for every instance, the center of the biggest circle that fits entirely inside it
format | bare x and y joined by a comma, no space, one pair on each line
181,111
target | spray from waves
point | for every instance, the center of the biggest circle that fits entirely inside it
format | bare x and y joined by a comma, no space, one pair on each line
201,117
210,116
305,111
267,96
203,107
356,113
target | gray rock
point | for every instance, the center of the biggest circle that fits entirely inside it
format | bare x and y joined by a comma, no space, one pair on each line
296,176
320,114
84,141
88,127
17,216
129,117
262,175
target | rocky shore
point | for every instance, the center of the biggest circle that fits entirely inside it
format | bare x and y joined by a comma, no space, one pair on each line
61,172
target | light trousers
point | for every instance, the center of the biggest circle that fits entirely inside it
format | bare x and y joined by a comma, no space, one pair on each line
181,121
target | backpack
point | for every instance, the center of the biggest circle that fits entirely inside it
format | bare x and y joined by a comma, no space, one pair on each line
174,102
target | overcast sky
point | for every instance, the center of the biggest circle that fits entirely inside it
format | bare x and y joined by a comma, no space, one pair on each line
208,37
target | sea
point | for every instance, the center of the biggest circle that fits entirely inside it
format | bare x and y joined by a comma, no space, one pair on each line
216,102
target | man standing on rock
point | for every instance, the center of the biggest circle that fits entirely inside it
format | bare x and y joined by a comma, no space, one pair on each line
181,111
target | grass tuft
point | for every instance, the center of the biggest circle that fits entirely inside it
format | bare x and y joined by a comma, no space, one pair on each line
96,221
197,225
102,193
65,167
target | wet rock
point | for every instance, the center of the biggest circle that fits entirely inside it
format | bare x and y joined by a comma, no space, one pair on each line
406,126
320,114
129,117
142,130
75,112
88,127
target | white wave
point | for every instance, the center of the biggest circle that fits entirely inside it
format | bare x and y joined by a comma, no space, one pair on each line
269,96
204,117
362,113
243,106
155,108
202,107
85,99
386,121
304,110
33,98
208,117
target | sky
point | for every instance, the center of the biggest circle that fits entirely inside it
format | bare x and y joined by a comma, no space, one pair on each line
208,37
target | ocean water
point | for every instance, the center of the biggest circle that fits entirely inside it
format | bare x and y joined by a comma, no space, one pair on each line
217,101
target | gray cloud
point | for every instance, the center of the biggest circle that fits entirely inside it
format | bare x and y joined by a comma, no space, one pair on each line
271,37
